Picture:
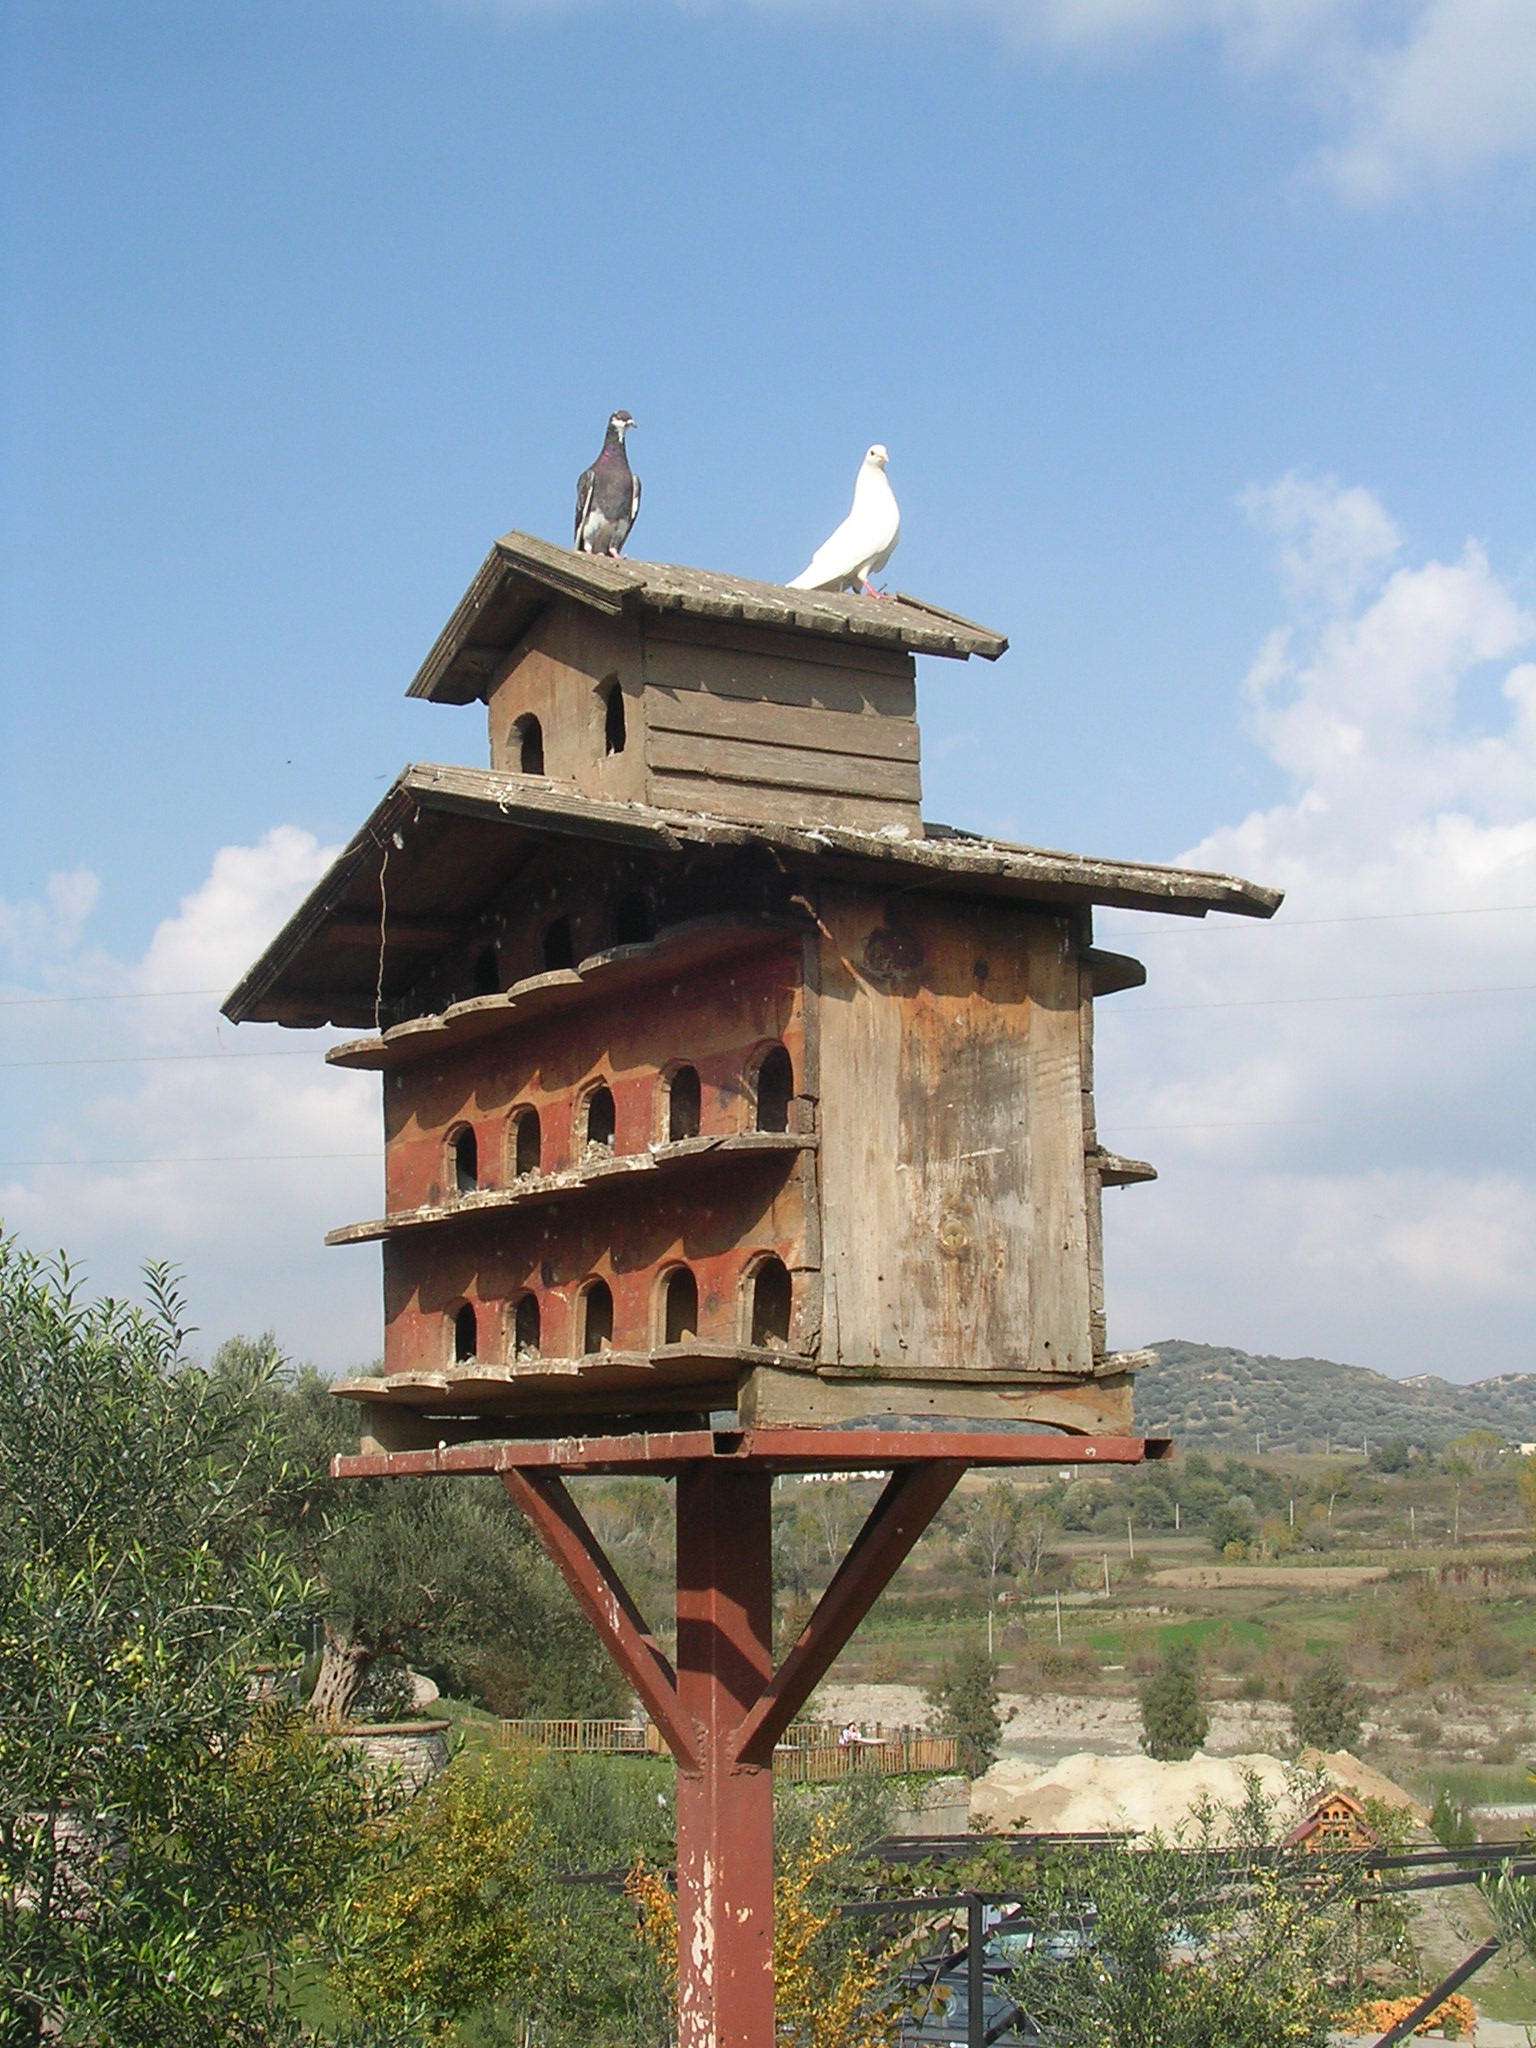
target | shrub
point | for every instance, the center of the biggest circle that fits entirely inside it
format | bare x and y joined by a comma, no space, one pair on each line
1174,1723
1325,1713
965,1704
1449,1824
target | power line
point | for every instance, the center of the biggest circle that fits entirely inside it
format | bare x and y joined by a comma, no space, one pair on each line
1185,927
193,1159
1181,927
128,995
1402,995
1254,1123
147,1059
1394,995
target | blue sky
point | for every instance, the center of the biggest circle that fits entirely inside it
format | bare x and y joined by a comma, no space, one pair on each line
1201,334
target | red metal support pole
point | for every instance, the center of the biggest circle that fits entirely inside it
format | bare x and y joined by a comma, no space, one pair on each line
724,1807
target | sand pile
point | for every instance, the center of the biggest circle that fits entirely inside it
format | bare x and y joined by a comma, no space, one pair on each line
1350,1775
1134,1795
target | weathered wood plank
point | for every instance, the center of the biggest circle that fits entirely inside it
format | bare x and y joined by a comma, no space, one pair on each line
706,714
878,671
1093,1407
750,762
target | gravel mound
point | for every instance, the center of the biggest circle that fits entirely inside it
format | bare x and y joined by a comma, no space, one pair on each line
1134,1795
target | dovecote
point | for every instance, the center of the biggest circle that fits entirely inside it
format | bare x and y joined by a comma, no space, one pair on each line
715,1082
643,683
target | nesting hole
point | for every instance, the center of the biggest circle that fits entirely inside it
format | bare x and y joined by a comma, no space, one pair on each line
614,732
559,946
487,972
632,921
680,1306
770,1303
683,1104
527,1143
597,1318
466,1334
775,1089
528,738
466,1160
602,1119
525,1327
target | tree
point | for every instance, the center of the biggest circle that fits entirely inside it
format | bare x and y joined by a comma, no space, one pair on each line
1475,1451
1036,1528
991,1540
965,1705
447,1575
1325,1713
158,1820
1174,1723
1231,1524
1187,1945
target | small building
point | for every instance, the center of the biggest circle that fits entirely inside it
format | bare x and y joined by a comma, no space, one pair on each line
716,1081
1334,1821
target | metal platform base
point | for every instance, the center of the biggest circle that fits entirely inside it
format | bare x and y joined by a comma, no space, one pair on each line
724,1707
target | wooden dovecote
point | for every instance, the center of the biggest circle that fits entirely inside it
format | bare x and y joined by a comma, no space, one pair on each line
679,688
714,1081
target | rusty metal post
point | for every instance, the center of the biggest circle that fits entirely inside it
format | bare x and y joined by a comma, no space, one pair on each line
724,1806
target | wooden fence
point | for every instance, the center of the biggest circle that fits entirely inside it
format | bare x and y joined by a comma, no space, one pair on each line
809,1754
606,1738
894,1755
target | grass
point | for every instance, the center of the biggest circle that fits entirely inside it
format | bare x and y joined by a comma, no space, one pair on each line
1469,1784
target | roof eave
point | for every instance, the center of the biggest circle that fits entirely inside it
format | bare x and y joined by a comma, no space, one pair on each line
954,863
456,672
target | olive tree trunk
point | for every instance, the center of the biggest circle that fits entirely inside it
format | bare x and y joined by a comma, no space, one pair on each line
344,1662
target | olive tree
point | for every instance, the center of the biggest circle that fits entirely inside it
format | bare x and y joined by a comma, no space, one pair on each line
164,1829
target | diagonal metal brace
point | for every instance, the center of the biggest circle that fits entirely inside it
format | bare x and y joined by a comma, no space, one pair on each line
602,1596
912,1497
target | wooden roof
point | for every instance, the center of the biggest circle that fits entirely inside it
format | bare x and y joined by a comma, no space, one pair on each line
455,839
522,574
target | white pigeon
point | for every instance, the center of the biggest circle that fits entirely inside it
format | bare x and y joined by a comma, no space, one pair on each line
866,539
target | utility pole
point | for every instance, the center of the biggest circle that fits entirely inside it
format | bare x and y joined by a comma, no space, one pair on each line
1106,1574
1130,1538
1175,1518
1058,1617
1293,1510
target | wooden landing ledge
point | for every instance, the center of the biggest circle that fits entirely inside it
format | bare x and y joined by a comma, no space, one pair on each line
1115,1172
697,941
780,1450
480,1387
607,1170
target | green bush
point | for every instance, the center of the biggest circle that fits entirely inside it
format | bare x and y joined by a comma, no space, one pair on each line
1174,1722
1325,1713
965,1704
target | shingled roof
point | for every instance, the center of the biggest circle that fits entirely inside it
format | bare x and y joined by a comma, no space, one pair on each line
522,574
457,836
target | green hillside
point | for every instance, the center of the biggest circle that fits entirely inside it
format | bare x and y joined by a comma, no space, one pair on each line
1209,1397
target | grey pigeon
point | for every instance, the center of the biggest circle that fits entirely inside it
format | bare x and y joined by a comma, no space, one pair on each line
608,495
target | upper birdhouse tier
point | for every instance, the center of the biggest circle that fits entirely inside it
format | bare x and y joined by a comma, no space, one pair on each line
642,682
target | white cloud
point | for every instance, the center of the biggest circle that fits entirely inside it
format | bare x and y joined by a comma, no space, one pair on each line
287,1146
51,927
1347,1176
1408,91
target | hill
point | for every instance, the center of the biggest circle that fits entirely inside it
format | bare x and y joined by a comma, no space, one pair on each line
1212,1398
